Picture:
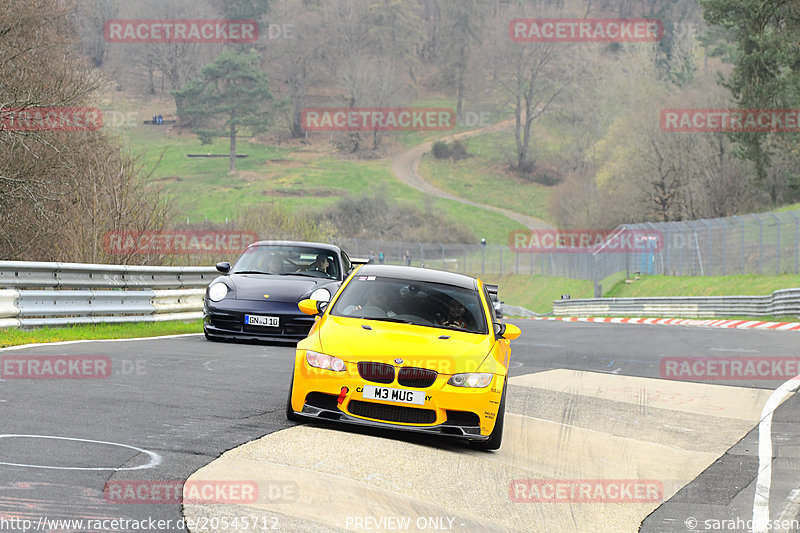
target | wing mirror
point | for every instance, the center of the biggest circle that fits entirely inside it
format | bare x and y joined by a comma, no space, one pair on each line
506,331
312,307
224,267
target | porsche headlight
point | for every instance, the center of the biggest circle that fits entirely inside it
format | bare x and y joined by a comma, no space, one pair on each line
217,292
326,362
322,295
471,380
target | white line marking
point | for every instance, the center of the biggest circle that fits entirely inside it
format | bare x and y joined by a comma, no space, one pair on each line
62,343
155,459
761,498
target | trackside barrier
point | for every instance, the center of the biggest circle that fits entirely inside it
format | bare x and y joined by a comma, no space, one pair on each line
105,293
23,274
784,302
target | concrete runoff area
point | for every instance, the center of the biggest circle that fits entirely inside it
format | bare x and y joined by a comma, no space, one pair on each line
562,427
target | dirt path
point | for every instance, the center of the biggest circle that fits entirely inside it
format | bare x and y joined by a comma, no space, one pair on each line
406,168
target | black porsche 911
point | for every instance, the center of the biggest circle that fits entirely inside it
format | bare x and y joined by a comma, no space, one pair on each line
257,297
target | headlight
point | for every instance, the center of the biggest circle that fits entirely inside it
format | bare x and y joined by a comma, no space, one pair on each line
322,295
217,292
327,362
471,380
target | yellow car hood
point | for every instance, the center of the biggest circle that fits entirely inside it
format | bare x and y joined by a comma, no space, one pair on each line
418,346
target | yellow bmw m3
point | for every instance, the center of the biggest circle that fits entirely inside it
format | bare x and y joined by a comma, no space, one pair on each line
406,348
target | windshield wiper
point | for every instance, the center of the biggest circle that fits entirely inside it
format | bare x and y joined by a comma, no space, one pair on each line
249,272
302,273
389,319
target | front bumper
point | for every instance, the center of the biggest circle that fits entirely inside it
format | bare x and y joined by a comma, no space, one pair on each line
448,410
447,429
225,319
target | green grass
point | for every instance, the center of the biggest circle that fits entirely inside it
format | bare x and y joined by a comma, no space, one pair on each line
745,285
203,189
492,114
16,337
485,177
537,293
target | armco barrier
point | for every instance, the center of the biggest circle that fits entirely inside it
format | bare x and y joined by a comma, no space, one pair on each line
22,274
785,302
105,293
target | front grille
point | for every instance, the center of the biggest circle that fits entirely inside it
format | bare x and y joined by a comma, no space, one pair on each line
392,413
226,323
419,378
297,329
376,372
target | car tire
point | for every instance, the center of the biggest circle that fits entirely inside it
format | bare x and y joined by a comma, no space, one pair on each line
289,410
496,437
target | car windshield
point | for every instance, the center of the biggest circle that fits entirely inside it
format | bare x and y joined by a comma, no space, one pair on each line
288,261
412,302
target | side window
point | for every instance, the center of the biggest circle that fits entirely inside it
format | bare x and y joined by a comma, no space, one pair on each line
345,265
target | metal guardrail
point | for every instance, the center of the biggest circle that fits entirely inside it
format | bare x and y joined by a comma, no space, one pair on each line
54,294
785,302
20,274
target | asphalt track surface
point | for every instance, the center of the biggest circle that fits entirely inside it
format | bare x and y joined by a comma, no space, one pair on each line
586,401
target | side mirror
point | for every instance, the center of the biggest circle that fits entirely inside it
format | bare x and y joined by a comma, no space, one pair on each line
312,307
506,331
224,267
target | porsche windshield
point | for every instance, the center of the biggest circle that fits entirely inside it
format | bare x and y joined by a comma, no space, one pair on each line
412,302
288,260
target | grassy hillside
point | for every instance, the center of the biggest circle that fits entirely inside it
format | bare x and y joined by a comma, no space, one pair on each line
295,176
537,292
746,285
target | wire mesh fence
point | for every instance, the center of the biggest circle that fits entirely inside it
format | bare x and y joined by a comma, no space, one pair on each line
767,243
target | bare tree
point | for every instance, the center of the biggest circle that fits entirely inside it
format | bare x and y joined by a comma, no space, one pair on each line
531,76
59,190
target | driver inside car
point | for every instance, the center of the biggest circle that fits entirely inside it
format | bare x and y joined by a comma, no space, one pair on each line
320,264
276,265
377,296
456,315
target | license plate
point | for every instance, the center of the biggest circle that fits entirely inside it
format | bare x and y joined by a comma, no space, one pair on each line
255,320
394,395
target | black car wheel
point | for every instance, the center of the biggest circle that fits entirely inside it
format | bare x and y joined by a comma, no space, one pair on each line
496,437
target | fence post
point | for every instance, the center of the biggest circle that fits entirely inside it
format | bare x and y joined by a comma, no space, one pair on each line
741,245
501,260
796,240
724,248
598,290
778,244
760,243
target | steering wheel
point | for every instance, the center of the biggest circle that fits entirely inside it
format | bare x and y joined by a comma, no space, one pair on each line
371,310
